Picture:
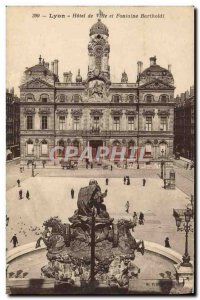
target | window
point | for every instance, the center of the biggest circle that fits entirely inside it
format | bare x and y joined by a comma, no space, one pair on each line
130,123
30,147
30,98
61,151
44,98
29,122
62,122
96,123
44,122
162,148
148,149
149,98
44,148
116,98
116,123
76,98
148,123
163,123
76,123
131,98
164,98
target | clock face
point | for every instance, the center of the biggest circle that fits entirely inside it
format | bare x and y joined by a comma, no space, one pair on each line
98,51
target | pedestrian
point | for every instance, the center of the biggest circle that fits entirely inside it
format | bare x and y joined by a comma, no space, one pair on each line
135,218
18,182
128,180
20,194
144,181
111,167
20,169
91,165
127,206
43,164
124,179
167,244
27,195
141,218
187,166
106,181
28,165
14,240
72,193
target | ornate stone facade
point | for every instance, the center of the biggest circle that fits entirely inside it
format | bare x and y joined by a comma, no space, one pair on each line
95,110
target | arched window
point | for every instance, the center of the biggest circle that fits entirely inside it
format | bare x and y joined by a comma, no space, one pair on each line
44,98
148,149
29,147
61,152
116,98
149,98
44,147
30,98
164,98
163,149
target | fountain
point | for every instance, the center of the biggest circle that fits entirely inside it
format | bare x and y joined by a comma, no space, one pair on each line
94,249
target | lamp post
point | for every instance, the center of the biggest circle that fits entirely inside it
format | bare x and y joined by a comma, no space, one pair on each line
183,225
162,168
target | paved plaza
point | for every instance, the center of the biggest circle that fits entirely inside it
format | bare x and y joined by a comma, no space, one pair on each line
50,196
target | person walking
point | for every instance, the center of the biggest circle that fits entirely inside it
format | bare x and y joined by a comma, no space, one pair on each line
144,181
72,193
20,194
27,195
128,180
14,240
18,182
167,244
141,218
111,167
124,179
135,218
127,206
106,181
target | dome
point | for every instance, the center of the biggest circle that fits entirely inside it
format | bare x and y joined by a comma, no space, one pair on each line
154,71
99,28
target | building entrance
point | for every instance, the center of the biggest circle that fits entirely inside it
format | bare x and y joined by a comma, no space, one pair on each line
95,144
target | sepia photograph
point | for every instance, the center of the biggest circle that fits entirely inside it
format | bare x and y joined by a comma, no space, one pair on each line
100,150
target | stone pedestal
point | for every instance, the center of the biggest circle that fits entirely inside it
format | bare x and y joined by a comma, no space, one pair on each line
185,275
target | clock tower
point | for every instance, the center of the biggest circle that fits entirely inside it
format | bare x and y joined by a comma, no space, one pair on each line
98,51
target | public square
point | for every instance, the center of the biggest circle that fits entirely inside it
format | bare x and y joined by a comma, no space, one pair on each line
50,196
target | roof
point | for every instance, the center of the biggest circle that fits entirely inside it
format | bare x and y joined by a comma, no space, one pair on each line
99,28
38,68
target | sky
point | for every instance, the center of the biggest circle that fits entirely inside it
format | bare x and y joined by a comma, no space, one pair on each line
170,38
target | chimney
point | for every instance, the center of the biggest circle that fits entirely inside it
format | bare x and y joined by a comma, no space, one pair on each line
52,67
140,67
67,77
152,60
46,64
56,66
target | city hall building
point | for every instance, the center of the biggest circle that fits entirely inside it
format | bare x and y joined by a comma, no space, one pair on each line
95,111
